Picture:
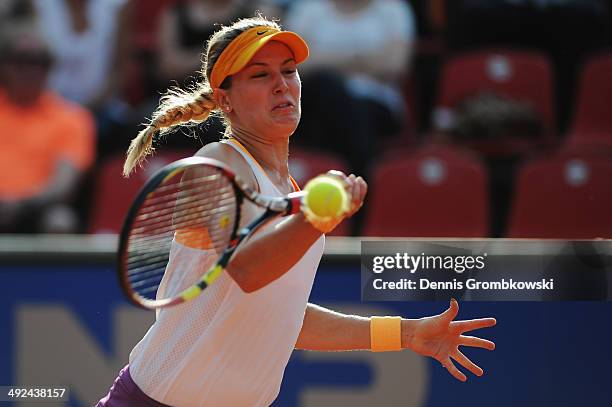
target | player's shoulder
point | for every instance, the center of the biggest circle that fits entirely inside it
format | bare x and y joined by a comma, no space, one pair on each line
222,152
229,156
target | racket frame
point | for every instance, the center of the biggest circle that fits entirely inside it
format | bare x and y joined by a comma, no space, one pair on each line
274,206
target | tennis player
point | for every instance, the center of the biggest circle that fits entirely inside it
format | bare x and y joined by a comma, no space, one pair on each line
230,346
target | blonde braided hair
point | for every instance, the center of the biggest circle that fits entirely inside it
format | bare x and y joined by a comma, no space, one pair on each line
176,107
180,107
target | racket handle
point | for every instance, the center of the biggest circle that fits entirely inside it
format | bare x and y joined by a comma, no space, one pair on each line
295,200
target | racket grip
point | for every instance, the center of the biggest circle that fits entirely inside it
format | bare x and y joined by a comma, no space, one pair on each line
295,200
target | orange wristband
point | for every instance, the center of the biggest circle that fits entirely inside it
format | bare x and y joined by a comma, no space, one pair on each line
385,334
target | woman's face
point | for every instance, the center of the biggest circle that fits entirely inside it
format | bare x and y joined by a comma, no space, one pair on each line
265,96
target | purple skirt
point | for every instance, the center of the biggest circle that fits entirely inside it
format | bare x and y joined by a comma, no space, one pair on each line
125,393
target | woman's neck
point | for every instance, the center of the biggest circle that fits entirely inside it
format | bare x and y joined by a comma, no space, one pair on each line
271,155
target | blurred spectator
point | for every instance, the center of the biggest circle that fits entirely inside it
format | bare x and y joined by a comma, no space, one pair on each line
15,9
360,53
88,41
47,142
91,43
184,30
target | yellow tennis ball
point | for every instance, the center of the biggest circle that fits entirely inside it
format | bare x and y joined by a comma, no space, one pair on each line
326,196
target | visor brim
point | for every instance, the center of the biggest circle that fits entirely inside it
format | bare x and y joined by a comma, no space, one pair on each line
296,44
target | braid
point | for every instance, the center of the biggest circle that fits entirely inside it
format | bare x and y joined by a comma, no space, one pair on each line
176,107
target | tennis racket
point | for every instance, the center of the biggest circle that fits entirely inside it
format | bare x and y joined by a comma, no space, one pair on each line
195,202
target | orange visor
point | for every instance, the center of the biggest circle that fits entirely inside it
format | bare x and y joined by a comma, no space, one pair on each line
240,51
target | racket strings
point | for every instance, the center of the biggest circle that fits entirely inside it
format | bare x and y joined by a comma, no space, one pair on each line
152,236
156,210
189,184
196,209
182,217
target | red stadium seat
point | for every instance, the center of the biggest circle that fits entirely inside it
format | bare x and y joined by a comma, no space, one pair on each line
434,192
521,75
597,144
591,130
305,164
592,119
568,196
113,194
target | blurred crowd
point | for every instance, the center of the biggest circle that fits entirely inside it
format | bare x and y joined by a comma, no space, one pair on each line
78,77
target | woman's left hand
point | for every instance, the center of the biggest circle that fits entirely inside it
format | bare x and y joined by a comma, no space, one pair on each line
440,337
356,187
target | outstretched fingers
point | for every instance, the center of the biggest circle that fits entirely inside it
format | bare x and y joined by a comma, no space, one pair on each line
452,369
467,363
456,329
472,324
465,340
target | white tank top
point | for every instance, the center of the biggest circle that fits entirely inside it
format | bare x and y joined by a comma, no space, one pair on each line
226,347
